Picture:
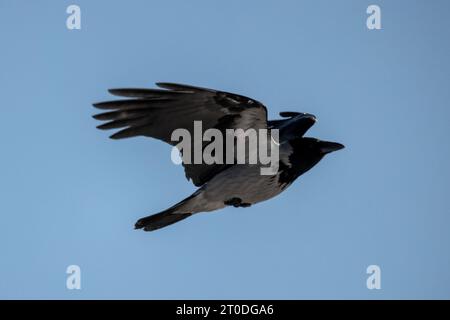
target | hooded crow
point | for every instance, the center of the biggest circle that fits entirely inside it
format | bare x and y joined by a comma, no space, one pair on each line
156,113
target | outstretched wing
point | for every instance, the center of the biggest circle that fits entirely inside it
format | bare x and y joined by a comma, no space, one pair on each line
295,124
157,113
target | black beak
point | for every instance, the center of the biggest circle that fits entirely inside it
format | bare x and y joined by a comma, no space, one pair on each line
327,146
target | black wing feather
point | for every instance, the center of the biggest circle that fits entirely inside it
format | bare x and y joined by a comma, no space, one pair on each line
157,113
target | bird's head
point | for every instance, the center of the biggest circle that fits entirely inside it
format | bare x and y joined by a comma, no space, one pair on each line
316,147
307,152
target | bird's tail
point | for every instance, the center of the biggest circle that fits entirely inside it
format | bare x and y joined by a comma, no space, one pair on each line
164,218
160,220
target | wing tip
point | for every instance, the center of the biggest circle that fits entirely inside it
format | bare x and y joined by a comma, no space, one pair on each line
113,91
103,126
123,134
115,136
179,87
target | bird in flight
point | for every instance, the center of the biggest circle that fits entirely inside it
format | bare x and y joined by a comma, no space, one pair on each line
157,113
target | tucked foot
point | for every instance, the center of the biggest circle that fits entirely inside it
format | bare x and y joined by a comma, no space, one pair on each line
236,202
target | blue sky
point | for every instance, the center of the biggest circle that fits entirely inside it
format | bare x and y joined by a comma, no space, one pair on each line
69,195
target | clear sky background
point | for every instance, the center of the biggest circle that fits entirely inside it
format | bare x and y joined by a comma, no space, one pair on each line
69,195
